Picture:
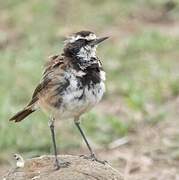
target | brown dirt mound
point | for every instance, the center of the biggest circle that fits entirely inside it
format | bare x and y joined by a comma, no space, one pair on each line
79,169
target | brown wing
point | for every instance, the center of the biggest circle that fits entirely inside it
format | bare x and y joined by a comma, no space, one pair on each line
37,90
53,67
52,81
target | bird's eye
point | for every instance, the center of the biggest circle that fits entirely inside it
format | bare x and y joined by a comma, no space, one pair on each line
82,41
88,41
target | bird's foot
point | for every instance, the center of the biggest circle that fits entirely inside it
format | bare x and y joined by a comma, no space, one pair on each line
93,158
60,164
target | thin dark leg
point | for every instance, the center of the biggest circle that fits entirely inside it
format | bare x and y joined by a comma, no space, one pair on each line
84,137
51,125
92,155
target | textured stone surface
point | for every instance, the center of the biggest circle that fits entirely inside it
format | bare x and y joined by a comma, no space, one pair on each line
79,169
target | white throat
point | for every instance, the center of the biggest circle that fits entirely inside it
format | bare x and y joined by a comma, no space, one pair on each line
87,52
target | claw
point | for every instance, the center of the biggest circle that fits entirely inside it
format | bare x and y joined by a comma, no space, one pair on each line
93,158
58,165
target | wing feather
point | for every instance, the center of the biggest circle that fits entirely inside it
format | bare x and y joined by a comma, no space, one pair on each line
54,70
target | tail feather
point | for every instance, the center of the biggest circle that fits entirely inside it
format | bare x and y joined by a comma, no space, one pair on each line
21,115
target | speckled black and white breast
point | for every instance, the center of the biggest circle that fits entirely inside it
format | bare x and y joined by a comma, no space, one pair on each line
84,90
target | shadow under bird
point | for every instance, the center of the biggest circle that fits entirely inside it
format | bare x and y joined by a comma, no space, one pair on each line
72,83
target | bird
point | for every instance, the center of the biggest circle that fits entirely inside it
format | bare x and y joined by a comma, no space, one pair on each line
73,82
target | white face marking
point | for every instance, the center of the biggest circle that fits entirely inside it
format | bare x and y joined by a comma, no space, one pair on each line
72,39
87,52
91,37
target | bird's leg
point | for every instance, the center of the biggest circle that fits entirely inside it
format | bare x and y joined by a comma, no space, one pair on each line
92,154
51,125
58,164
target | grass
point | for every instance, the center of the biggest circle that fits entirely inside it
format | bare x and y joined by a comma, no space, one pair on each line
141,65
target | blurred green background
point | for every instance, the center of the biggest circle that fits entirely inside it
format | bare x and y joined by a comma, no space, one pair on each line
141,59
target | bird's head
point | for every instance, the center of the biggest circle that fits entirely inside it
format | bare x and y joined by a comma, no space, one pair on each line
83,45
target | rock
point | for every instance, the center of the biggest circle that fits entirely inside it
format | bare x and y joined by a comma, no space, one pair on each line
79,169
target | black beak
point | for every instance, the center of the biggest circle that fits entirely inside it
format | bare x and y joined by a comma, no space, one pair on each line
97,41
